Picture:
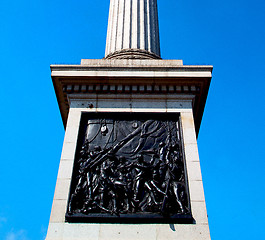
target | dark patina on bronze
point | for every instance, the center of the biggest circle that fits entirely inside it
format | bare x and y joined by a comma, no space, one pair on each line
129,168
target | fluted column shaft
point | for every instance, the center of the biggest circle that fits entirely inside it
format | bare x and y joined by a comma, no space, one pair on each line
133,29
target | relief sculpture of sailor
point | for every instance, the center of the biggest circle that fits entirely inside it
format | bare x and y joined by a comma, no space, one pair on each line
129,168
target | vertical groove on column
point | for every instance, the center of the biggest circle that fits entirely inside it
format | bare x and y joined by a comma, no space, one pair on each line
123,25
138,23
152,26
117,24
131,24
120,25
156,31
142,24
148,26
134,32
114,27
127,25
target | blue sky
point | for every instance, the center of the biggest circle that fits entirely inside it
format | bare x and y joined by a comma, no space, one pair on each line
230,35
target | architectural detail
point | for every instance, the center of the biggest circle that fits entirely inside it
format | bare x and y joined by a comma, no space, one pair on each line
85,93
130,168
113,78
105,88
133,30
130,150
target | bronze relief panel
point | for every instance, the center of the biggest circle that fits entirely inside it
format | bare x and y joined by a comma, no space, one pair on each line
129,168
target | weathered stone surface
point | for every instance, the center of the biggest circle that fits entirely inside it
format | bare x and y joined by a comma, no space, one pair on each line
59,229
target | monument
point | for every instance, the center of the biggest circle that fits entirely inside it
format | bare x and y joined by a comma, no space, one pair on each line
130,167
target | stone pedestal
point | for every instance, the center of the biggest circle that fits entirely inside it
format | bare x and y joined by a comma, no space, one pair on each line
140,86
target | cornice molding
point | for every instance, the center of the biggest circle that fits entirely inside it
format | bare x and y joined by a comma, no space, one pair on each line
152,77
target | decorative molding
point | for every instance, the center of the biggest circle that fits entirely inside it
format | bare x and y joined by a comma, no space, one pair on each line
132,54
132,77
141,89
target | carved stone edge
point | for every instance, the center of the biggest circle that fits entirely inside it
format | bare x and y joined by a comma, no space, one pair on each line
132,54
131,218
151,89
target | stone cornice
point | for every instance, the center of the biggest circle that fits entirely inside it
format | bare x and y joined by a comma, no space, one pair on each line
171,67
132,77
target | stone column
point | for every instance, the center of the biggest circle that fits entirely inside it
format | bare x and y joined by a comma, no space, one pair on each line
133,30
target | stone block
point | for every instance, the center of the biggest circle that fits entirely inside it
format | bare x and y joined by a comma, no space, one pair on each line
90,88
83,88
191,152
55,231
186,89
193,88
194,171
189,135
182,232
164,88
76,88
112,88
113,103
196,191
81,231
65,169
71,134
134,88
178,104
105,88
149,88
62,189
171,89
141,88
187,120
199,212
127,232
68,151
58,211
149,104
178,88
73,118
119,88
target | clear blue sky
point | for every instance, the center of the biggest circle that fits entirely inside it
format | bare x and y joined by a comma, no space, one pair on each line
230,35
